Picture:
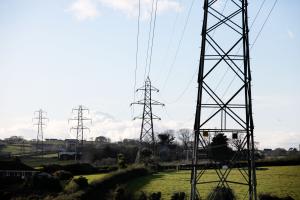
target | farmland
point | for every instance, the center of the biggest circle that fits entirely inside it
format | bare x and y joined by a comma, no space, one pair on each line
279,181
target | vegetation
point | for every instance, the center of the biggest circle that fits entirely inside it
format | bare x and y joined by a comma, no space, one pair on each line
39,161
93,177
280,181
221,193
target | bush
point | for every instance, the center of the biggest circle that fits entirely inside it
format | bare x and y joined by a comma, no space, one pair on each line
155,196
63,175
121,161
178,196
76,184
121,194
273,197
103,186
82,182
106,161
142,196
43,182
75,169
221,193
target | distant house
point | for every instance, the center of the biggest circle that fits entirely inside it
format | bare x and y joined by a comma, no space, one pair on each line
15,168
267,152
70,144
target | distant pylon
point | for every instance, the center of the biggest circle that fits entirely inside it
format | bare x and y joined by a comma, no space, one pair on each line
79,127
40,121
147,137
224,103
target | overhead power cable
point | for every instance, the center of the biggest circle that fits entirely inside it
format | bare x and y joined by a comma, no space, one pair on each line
270,12
149,38
152,41
179,44
136,53
255,40
166,54
193,76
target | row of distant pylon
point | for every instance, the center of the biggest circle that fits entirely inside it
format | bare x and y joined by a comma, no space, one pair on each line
41,119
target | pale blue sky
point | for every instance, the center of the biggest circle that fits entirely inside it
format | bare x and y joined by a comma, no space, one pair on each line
57,54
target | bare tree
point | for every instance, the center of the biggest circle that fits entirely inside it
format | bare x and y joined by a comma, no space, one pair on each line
185,135
237,143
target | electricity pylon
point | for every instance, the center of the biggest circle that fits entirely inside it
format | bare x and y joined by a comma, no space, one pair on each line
224,101
147,137
79,127
40,121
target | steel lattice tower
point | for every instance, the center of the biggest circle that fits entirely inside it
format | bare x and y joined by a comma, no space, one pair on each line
147,133
224,101
40,120
79,127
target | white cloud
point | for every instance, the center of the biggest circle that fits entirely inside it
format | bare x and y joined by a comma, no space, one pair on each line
130,7
89,9
275,139
103,124
291,34
106,125
84,9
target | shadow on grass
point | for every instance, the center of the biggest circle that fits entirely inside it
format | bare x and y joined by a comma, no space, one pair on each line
137,184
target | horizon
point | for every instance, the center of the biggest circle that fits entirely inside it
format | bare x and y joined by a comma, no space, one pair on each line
58,54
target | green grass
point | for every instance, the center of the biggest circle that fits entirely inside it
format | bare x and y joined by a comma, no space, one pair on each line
16,149
279,181
93,177
38,161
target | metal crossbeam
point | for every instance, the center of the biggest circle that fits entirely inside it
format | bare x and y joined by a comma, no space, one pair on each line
79,127
218,113
147,137
40,120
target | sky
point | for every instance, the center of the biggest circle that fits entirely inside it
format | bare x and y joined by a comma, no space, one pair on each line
58,54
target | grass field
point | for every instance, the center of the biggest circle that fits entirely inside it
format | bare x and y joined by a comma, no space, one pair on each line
16,149
93,177
279,181
37,161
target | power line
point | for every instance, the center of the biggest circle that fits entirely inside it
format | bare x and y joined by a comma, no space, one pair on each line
191,80
149,39
153,34
179,44
223,76
255,40
171,37
257,36
136,53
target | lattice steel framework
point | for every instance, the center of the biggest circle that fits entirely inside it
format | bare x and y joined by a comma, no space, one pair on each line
147,133
40,122
79,127
224,102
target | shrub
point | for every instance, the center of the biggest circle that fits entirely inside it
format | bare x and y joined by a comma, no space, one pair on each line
103,186
273,197
51,168
81,181
69,196
155,196
63,175
121,161
75,169
178,196
221,193
76,184
43,182
120,194
142,196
